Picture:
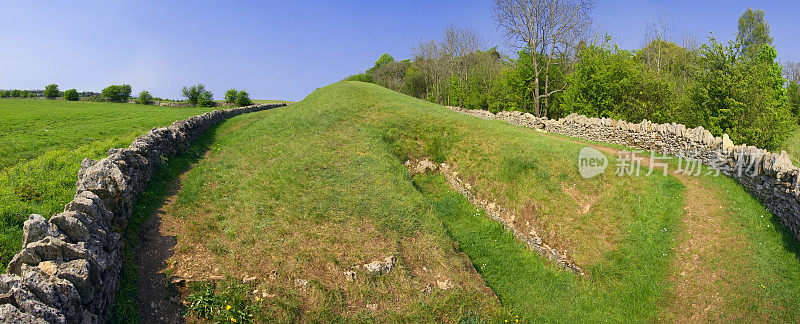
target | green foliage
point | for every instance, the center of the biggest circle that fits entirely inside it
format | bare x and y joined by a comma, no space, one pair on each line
793,94
94,98
5,94
382,61
228,302
50,91
197,95
243,99
16,93
230,95
753,33
145,98
72,95
362,77
27,94
742,96
610,82
117,93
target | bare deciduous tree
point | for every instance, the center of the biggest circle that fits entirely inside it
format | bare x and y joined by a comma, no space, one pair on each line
791,70
549,29
656,33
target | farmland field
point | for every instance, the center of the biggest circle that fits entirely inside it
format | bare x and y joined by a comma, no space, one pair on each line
42,143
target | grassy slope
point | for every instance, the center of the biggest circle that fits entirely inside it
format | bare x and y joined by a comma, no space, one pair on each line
318,187
42,144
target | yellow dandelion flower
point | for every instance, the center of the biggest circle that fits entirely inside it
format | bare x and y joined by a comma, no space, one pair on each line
228,307
233,320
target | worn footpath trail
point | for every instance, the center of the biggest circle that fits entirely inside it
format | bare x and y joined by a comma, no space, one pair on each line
709,248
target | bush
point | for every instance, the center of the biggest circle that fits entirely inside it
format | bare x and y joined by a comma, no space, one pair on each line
5,94
27,94
230,96
243,99
144,98
16,93
51,91
117,93
197,95
72,95
94,98
362,77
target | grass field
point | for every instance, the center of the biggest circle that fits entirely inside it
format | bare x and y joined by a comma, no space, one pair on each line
42,143
312,190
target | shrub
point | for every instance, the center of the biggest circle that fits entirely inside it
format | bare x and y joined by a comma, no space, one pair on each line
27,94
144,98
230,96
362,77
51,91
94,98
16,93
243,99
5,94
197,95
72,95
117,93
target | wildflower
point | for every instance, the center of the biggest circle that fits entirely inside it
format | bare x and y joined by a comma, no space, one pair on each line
228,307
233,319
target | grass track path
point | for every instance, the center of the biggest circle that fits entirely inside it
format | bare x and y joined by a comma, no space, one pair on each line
710,246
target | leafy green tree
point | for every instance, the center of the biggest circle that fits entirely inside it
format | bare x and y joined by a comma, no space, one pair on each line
51,91
385,59
5,94
243,99
744,97
206,99
144,98
230,96
72,95
753,33
198,95
117,93
27,94
16,93
610,82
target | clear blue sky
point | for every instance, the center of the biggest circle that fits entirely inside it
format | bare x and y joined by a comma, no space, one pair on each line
286,49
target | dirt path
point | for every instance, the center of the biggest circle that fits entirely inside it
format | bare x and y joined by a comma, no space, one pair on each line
709,248
158,303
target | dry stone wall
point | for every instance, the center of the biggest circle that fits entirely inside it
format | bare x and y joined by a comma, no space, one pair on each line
68,268
768,176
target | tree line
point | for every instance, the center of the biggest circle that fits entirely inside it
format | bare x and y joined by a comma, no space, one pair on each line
196,95
560,67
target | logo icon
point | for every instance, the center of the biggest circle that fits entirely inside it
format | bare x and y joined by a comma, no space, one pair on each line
591,162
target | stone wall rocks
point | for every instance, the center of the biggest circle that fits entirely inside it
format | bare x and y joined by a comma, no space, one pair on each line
68,268
768,176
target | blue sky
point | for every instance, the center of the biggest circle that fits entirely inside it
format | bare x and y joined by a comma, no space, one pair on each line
286,49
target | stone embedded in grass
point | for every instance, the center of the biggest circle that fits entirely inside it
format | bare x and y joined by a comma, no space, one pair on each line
350,275
248,280
378,267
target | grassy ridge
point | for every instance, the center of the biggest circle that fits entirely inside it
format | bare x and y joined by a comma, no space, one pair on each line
42,143
313,189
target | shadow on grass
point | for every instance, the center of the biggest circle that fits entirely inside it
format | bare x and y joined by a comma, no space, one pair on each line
148,203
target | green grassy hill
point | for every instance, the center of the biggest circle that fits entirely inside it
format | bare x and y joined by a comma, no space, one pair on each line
312,190
42,144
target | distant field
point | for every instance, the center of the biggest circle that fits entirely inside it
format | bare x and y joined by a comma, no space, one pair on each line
30,127
42,143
